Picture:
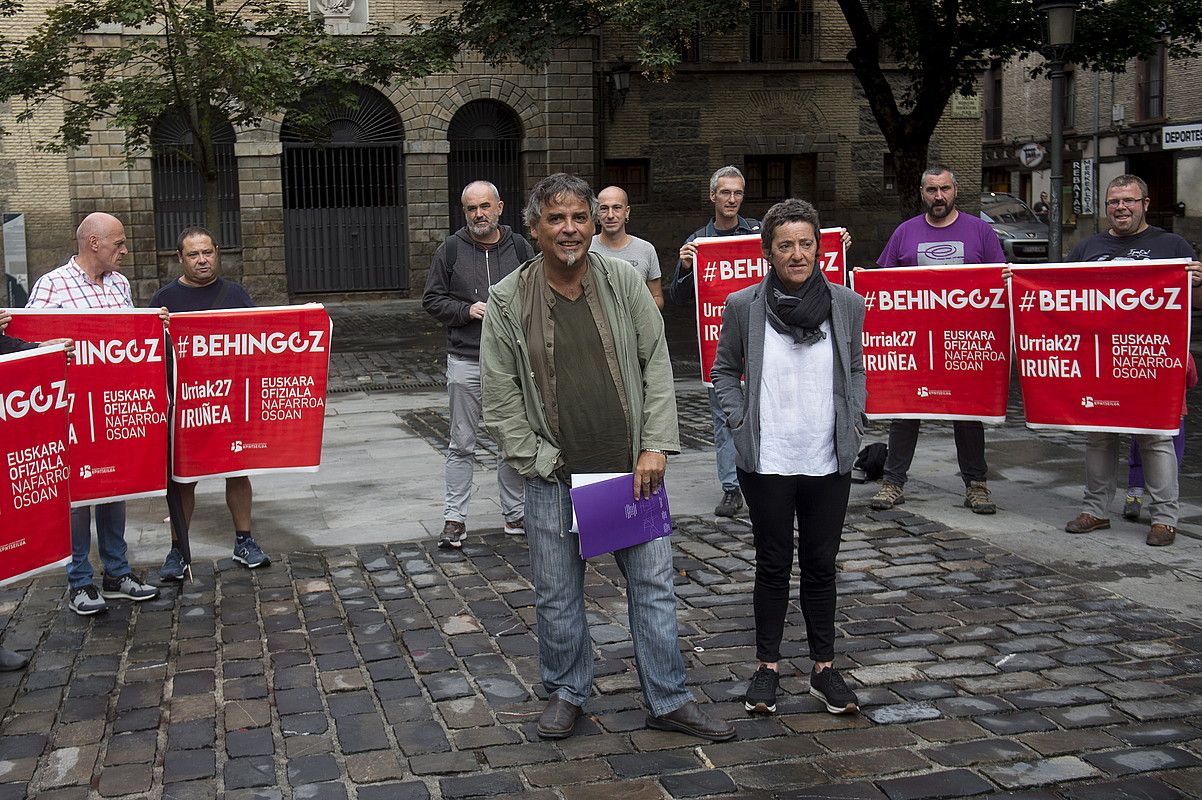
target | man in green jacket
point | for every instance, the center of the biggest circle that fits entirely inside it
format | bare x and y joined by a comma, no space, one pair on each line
576,379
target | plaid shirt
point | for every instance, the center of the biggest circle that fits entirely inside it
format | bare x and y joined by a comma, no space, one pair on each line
70,287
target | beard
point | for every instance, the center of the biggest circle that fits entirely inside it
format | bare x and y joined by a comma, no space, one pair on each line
570,259
481,230
940,211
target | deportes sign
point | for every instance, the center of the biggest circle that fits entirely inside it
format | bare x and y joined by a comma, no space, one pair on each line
118,394
936,342
35,510
726,264
1102,346
250,390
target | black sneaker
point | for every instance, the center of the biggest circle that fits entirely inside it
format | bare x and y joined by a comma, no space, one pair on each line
453,534
761,691
828,686
732,503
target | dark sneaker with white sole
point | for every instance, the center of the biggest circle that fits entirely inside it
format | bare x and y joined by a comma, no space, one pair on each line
828,686
761,691
453,534
173,568
128,587
248,553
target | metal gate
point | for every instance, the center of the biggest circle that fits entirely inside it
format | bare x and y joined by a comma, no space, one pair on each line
344,199
485,138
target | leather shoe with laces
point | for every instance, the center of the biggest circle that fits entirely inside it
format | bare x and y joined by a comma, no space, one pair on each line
1160,535
558,719
693,720
1085,523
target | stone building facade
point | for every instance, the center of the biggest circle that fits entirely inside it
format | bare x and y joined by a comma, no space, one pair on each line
1146,120
776,98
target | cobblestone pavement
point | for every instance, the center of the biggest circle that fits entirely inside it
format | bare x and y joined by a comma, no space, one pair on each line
409,672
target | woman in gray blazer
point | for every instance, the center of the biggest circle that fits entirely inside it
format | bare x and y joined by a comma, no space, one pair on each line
796,424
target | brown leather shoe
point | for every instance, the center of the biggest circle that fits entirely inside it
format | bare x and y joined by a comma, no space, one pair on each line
558,719
693,720
1084,523
1160,535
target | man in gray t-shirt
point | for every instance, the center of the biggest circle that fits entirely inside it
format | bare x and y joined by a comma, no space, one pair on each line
614,212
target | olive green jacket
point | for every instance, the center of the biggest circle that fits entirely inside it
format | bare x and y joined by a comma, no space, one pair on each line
513,408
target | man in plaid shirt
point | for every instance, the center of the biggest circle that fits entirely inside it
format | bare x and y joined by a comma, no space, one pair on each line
92,279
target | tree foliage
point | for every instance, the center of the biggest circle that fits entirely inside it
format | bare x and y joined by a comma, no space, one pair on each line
204,60
910,56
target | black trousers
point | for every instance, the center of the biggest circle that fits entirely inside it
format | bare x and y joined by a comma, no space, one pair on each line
819,505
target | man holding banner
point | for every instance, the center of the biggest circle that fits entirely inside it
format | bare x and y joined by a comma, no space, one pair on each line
726,194
1130,237
576,379
201,288
939,236
92,279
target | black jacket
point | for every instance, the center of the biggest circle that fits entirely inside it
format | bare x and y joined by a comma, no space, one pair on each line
451,289
9,344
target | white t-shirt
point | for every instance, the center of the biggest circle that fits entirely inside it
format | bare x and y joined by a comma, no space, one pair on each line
639,253
797,406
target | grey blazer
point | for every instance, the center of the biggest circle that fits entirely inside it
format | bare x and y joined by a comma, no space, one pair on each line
741,353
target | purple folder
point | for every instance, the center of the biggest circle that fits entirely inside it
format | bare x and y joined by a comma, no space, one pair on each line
609,517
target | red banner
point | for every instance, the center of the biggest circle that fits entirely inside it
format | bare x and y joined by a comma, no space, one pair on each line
726,264
35,507
1102,345
118,383
250,390
936,342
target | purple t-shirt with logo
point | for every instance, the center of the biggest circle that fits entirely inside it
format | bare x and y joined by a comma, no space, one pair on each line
916,243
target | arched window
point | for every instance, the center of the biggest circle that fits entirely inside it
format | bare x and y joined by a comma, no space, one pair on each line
179,184
486,138
344,194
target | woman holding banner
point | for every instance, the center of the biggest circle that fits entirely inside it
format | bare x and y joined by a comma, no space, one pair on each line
796,424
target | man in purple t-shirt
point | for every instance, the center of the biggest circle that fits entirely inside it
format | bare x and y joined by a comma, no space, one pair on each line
940,236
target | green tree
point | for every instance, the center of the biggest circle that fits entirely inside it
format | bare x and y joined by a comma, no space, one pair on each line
910,56
203,60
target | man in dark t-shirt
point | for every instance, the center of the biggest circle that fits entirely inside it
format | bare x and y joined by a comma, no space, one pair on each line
201,288
1130,237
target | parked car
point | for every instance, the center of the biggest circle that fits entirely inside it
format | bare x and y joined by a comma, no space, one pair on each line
1023,235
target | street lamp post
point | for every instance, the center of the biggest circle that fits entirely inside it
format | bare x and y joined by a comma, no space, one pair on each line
1061,16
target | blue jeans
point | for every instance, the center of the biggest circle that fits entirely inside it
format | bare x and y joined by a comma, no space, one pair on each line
565,649
110,542
724,446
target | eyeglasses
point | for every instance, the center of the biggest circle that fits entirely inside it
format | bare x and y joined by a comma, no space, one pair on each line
1129,202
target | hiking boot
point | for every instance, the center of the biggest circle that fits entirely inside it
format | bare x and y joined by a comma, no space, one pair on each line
173,566
86,601
1132,506
1085,523
732,503
1161,535
517,527
248,553
761,692
976,497
828,686
453,534
128,587
889,495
